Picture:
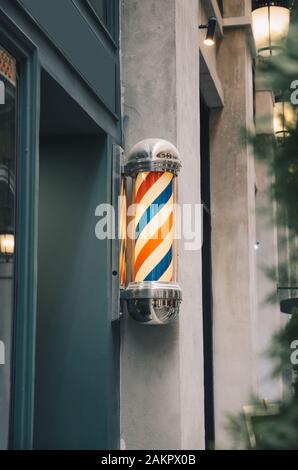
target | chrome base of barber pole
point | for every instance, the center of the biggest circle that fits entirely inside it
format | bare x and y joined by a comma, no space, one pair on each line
152,303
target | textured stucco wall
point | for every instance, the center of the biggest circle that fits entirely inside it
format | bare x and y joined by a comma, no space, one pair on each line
234,8
233,233
162,367
269,318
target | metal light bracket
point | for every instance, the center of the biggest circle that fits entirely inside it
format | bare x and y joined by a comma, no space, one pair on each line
116,170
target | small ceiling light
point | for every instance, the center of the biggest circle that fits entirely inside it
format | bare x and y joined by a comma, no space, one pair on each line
211,28
257,245
270,25
284,119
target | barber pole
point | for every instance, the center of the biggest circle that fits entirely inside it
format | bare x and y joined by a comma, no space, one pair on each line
153,296
154,227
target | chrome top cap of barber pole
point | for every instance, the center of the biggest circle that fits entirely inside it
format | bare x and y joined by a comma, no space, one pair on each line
153,155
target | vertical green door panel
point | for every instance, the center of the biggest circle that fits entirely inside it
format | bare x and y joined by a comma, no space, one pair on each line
77,350
80,45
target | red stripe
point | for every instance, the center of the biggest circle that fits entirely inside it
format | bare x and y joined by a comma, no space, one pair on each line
148,182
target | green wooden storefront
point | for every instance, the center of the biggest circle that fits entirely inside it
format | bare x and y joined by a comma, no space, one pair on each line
65,348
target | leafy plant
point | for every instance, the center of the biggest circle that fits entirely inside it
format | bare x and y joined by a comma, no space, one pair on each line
278,431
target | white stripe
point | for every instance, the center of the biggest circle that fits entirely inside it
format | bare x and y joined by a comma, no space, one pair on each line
149,197
123,211
157,221
154,259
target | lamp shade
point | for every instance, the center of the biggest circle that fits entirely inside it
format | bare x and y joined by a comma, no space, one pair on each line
7,243
285,119
270,25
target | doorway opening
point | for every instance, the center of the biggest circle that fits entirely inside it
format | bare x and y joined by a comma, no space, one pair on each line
77,350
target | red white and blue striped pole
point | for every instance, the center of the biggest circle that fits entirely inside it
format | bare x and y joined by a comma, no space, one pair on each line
153,254
153,296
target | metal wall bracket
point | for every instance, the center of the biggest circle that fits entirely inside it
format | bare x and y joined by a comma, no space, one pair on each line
117,170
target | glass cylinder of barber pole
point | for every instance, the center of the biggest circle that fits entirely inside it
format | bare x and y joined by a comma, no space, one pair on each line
122,232
153,295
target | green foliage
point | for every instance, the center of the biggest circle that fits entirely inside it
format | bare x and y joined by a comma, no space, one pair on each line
279,431
282,432
272,431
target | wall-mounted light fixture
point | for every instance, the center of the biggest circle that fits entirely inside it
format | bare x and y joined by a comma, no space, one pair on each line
270,25
211,28
284,119
153,295
7,238
6,243
288,305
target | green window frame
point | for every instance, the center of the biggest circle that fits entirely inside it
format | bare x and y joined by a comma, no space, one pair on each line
17,32
105,11
21,413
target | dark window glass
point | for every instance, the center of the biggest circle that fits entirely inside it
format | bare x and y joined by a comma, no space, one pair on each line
100,7
8,92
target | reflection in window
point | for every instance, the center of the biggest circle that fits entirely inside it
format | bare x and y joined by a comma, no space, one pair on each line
7,229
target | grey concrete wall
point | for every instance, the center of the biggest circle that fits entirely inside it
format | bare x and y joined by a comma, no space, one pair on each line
269,318
233,232
234,8
162,367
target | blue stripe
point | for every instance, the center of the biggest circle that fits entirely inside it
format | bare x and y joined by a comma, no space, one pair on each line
161,268
154,208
